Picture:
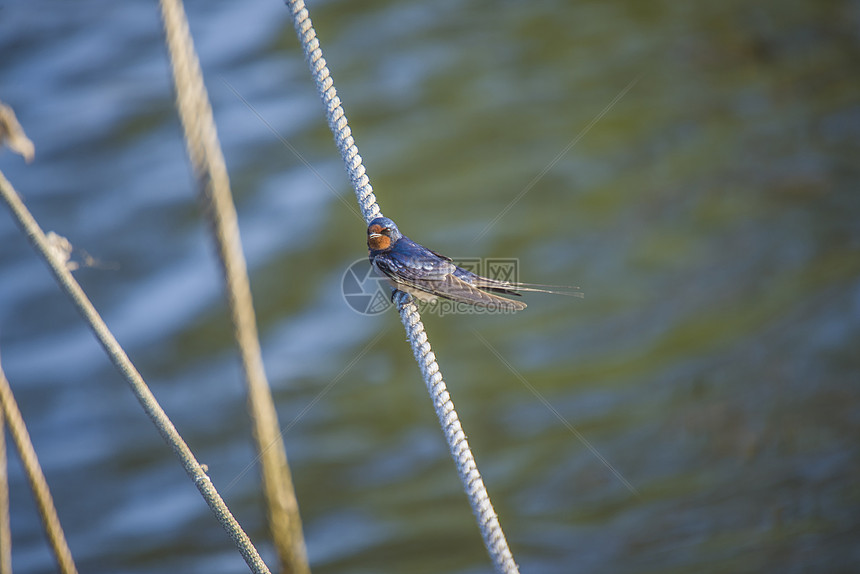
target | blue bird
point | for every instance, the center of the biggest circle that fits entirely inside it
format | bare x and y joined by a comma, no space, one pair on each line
425,274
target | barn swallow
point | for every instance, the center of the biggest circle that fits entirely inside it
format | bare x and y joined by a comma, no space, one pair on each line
425,274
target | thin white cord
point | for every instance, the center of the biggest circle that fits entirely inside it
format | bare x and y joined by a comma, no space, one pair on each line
494,537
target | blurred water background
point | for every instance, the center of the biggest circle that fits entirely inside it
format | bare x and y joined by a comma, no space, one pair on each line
711,217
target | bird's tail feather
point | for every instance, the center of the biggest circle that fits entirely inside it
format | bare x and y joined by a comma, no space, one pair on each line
511,288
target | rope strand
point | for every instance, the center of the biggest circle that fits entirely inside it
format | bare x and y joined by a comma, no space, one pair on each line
120,359
213,183
5,528
334,113
467,468
491,530
36,478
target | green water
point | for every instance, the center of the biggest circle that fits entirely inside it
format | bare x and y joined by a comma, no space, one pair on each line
691,167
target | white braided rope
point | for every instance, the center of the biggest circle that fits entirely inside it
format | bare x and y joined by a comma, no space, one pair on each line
491,530
473,484
334,111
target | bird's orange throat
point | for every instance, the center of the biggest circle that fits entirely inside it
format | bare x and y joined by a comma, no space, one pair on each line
376,240
379,242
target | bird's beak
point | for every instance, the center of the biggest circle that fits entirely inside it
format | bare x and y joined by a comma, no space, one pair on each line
375,235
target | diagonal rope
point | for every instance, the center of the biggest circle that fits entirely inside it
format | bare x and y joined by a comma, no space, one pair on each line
467,468
13,136
210,171
334,111
44,502
5,528
9,129
118,357
491,531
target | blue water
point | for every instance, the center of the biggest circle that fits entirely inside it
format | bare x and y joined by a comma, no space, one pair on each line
710,216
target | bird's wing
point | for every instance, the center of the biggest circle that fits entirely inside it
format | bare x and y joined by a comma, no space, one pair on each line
436,277
418,263
453,288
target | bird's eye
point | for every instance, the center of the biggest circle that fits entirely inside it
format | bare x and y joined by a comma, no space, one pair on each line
386,231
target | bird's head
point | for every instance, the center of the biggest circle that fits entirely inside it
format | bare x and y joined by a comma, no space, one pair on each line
382,233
